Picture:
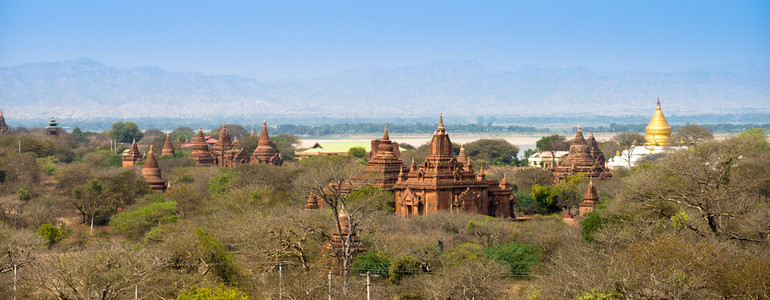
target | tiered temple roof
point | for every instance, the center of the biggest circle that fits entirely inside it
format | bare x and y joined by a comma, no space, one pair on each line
168,149
5,129
224,152
443,182
590,200
265,152
133,157
53,128
312,202
151,173
383,167
344,234
580,159
200,153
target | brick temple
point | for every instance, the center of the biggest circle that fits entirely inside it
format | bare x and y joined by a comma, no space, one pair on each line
584,157
443,182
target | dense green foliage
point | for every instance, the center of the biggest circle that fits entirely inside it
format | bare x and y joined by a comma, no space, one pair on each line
401,267
357,152
220,292
492,152
519,257
215,253
53,234
223,182
373,261
136,223
125,132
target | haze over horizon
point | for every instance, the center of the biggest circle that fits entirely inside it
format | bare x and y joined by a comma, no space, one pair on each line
309,39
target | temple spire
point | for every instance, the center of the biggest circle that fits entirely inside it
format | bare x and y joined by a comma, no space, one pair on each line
385,136
441,123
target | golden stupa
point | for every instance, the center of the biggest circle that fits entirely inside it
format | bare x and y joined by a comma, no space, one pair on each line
658,133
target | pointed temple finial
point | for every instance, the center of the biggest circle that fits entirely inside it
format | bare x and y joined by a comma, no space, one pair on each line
151,150
441,122
658,101
1,111
592,132
134,142
579,128
385,135
252,132
264,123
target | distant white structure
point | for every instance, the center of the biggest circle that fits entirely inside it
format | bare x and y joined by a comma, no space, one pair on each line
630,157
543,159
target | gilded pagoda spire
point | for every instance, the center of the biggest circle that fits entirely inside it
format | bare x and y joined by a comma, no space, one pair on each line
658,132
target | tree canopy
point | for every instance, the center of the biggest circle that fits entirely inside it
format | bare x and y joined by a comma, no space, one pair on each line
492,151
125,132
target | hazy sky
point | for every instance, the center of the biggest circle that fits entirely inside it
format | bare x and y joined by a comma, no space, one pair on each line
278,39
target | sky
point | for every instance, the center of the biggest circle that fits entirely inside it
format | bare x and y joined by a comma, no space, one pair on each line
305,39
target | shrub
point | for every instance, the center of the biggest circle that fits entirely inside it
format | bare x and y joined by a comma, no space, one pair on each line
357,152
135,223
48,164
519,257
526,204
53,234
214,253
223,182
23,194
374,261
220,292
401,267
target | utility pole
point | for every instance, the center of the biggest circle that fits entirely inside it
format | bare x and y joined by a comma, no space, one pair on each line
330,284
368,283
280,280
15,266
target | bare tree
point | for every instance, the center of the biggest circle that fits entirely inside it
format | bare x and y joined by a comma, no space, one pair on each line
330,181
107,272
722,185
692,135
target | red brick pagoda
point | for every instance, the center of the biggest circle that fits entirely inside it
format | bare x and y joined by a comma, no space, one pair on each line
443,182
133,157
582,158
168,149
151,173
265,152
200,153
5,129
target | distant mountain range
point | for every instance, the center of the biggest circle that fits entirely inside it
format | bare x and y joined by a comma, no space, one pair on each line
85,88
